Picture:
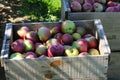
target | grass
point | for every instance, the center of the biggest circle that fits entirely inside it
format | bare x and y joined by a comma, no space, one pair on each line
40,10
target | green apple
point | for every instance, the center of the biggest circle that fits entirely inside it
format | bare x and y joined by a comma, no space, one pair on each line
41,50
76,36
75,44
51,41
44,34
68,27
72,51
81,30
29,45
16,55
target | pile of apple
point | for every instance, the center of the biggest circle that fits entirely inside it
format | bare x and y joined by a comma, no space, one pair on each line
94,6
64,40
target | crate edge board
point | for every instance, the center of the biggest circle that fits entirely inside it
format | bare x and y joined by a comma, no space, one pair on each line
103,39
72,58
6,41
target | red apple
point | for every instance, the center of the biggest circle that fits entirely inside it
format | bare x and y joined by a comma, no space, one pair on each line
30,55
44,33
32,35
92,42
66,39
55,50
83,45
55,30
112,3
23,31
83,54
17,45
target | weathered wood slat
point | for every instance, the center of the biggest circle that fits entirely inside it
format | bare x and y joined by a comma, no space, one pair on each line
114,66
57,68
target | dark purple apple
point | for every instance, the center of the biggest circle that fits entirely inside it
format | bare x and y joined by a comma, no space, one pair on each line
30,55
80,1
29,45
55,30
90,1
17,45
66,39
44,34
23,31
32,35
58,36
37,44
110,9
87,35
98,7
56,50
87,7
117,8
75,6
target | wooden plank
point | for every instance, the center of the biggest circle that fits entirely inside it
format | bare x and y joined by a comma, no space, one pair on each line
57,68
114,66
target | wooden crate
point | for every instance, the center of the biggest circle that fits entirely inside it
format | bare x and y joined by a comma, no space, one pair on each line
92,67
114,65
110,21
